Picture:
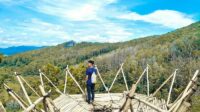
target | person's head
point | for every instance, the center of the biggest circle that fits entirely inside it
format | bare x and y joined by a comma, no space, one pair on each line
90,63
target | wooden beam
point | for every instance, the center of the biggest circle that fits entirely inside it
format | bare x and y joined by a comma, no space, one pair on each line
191,81
179,101
127,103
20,99
189,89
23,88
194,88
41,79
51,109
10,91
57,90
147,73
162,85
125,81
98,73
141,76
29,86
116,77
67,69
106,88
170,91
192,85
150,105
2,109
32,106
65,86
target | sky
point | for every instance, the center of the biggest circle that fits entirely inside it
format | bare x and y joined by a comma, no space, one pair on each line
51,22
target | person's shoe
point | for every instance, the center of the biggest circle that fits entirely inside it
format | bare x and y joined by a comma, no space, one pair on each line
88,102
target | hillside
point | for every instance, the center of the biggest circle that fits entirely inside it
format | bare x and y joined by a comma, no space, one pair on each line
178,49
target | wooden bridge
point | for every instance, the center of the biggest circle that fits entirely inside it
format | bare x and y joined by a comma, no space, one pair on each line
126,101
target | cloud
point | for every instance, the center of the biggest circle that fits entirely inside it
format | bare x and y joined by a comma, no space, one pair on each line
50,22
41,33
72,10
33,32
44,29
104,31
168,18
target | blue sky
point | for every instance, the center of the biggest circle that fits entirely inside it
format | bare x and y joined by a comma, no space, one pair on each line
50,22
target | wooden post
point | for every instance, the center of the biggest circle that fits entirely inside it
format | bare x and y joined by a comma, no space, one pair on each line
191,81
180,95
2,109
41,79
10,91
147,73
150,105
185,106
172,83
127,103
186,92
193,86
29,86
75,80
115,77
106,88
177,104
66,74
18,97
57,90
124,79
189,94
32,106
141,76
51,109
162,85
23,88
98,73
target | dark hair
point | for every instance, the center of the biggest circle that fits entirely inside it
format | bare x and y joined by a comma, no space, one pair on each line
91,61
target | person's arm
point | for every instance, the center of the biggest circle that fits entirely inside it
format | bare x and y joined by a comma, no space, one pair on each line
86,78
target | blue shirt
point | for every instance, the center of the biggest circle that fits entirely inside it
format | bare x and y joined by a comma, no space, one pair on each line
89,73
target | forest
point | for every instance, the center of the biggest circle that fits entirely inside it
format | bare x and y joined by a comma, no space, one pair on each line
179,49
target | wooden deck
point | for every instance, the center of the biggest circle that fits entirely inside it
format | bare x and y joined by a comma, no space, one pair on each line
76,103
68,104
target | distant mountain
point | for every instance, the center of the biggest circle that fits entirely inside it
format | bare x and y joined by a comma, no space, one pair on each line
18,49
69,44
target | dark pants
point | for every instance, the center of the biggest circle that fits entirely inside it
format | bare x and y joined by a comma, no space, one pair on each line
90,92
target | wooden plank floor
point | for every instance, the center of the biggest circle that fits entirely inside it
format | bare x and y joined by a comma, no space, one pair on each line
76,103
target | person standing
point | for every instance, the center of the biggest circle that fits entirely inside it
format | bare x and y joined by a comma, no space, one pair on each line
90,83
